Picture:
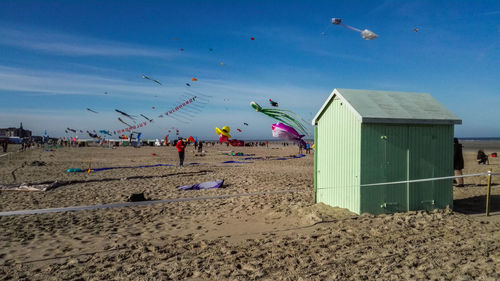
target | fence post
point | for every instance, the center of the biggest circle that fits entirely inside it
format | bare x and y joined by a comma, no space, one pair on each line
488,192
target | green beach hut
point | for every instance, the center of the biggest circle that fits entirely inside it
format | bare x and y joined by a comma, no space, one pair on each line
366,137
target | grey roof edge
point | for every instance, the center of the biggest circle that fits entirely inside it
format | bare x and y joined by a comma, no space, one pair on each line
335,93
411,121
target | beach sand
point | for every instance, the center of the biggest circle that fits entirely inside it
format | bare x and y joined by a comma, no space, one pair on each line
281,236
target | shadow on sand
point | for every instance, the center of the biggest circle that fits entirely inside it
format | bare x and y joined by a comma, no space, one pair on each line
476,205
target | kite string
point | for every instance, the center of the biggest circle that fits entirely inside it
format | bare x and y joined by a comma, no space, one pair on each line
351,28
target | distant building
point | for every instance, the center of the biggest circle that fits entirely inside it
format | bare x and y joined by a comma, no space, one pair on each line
15,132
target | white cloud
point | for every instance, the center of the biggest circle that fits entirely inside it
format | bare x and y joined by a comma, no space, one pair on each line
57,43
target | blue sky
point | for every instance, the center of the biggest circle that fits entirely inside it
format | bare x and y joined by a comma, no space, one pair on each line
58,58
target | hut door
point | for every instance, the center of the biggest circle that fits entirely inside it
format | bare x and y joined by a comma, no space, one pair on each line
394,167
422,164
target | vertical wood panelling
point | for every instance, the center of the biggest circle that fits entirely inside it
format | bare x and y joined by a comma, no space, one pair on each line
339,157
383,159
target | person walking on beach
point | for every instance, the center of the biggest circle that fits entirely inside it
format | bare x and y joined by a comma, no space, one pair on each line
458,162
180,148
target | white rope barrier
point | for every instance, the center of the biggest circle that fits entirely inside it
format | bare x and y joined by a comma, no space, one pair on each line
412,181
173,200
427,179
140,203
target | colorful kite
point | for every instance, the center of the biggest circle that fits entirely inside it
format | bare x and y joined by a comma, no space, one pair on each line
125,114
223,133
273,103
286,132
105,132
129,128
92,110
251,38
239,130
194,79
282,115
181,106
366,34
145,77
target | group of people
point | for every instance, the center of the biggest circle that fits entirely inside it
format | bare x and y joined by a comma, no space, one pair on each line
458,161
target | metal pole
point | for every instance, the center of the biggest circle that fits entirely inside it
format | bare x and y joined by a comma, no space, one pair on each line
488,192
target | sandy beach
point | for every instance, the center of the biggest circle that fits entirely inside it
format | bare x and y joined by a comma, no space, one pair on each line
279,236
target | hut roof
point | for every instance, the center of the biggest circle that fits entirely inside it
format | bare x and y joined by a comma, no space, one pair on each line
371,106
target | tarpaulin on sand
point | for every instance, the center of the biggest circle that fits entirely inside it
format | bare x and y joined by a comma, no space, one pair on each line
203,185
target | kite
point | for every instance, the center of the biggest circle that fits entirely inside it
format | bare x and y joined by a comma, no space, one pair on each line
222,64
105,132
210,49
286,132
251,38
119,119
145,77
125,114
152,107
92,110
95,136
150,120
187,84
190,139
239,130
105,93
66,131
81,131
180,106
415,29
246,124
123,137
129,128
203,185
72,130
282,115
194,79
160,116
273,103
366,34
181,50
223,133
